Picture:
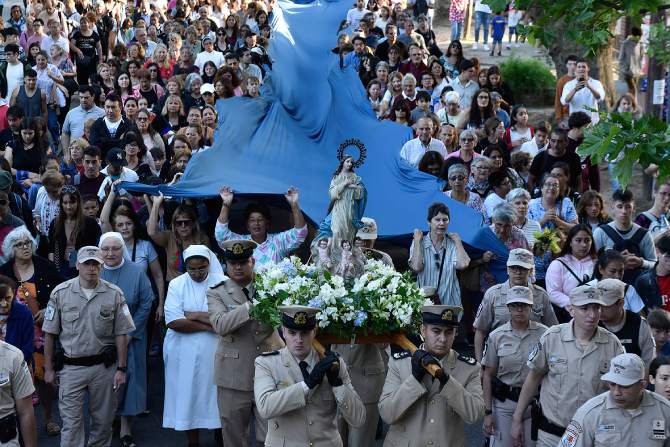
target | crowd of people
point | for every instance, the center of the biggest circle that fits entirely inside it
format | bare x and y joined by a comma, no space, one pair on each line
94,279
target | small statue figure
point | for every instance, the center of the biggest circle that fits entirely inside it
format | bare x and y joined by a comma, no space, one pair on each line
350,265
321,254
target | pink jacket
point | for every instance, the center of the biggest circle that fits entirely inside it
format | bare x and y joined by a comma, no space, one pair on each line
560,281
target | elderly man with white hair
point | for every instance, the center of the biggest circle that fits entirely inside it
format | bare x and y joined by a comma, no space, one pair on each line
132,279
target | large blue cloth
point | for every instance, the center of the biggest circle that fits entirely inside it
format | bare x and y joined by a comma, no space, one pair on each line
290,136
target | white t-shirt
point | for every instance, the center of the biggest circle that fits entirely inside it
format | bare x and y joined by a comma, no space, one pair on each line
514,17
14,77
529,147
413,150
354,17
482,7
583,98
204,56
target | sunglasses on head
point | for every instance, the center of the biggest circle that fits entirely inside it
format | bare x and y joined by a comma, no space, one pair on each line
68,189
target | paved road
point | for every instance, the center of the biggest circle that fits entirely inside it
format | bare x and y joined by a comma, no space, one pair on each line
149,432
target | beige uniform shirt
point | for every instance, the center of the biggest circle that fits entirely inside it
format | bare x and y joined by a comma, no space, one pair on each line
241,339
507,351
571,375
86,325
493,312
299,418
599,422
366,368
419,414
16,382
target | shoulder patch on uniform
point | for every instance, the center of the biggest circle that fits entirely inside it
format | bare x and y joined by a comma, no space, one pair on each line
269,353
401,355
467,359
217,284
571,435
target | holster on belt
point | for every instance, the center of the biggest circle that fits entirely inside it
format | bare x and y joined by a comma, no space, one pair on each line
8,428
109,355
499,389
535,416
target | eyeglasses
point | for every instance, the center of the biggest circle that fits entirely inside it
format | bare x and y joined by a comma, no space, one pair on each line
111,249
183,223
468,139
142,119
220,34
457,178
23,244
551,186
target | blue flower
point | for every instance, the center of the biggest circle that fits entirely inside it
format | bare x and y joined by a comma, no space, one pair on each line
315,302
288,268
311,271
361,317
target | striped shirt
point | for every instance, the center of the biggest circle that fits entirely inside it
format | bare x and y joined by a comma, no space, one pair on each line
448,290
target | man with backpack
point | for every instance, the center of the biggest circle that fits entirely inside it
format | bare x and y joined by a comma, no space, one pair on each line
622,234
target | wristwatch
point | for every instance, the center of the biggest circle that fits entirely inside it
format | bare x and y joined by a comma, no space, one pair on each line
123,369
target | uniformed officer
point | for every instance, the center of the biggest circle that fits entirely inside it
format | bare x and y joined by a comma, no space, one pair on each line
505,369
493,312
626,415
423,411
91,319
632,330
301,394
241,339
16,398
366,367
568,362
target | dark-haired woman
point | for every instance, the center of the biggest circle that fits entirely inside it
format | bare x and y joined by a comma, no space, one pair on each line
452,59
571,269
26,154
136,155
70,231
272,247
610,264
495,84
481,109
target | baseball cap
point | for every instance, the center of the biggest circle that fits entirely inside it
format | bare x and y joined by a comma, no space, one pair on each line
369,229
206,37
207,88
116,157
583,295
625,370
88,253
612,290
519,294
521,257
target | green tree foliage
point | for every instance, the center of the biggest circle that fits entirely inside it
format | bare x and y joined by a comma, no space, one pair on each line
587,22
617,136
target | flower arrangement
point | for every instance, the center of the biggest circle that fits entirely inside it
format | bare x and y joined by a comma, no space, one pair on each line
380,301
547,240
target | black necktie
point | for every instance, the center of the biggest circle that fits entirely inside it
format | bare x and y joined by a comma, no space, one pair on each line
246,293
303,369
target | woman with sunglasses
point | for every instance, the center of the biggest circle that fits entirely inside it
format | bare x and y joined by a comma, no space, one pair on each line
183,232
70,231
457,176
466,150
453,58
36,278
150,136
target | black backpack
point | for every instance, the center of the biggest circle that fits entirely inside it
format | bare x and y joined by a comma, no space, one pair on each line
620,244
632,245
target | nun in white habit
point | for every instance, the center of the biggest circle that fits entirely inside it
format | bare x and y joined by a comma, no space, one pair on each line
189,347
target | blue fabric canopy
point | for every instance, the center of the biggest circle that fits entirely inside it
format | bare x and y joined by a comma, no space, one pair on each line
290,136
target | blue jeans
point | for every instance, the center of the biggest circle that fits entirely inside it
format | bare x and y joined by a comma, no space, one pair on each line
482,19
456,30
52,124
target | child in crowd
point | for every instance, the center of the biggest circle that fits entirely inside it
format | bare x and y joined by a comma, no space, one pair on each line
90,206
497,31
520,162
159,157
539,141
422,106
659,321
659,375
514,17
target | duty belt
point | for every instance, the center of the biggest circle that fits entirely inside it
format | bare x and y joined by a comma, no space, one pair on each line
547,426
